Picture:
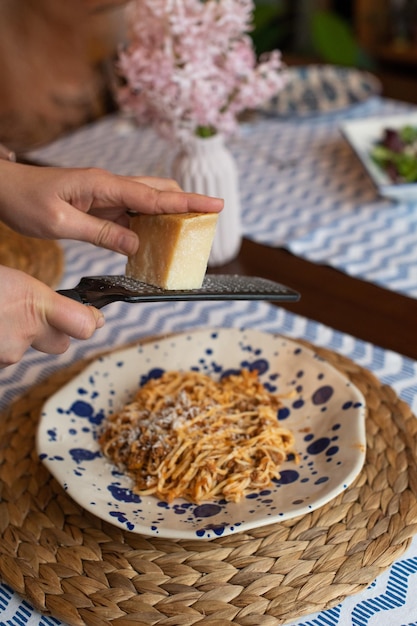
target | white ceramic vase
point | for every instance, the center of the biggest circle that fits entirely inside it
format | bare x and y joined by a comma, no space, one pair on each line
206,166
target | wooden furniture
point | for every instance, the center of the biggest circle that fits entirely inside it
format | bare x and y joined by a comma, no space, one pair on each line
387,32
353,306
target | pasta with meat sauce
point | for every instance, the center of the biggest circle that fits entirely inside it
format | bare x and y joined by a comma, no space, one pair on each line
186,435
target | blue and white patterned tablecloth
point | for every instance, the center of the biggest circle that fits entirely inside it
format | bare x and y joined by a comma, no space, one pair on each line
302,187
389,600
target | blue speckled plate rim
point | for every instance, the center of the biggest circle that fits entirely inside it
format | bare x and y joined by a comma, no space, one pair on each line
209,534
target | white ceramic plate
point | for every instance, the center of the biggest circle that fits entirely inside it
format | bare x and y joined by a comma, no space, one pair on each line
318,89
363,135
326,413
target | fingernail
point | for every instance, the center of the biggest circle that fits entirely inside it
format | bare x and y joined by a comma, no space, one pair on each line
100,320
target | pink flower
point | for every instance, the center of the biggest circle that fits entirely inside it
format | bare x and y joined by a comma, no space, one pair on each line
190,65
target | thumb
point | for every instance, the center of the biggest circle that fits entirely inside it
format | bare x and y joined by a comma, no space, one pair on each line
72,318
100,232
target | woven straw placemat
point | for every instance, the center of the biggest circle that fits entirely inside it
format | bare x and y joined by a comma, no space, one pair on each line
41,258
72,566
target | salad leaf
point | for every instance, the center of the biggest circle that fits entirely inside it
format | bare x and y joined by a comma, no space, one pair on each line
408,134
396,154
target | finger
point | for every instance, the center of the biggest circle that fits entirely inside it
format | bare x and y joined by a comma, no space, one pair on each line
51,341
118,215
161,197
101,232
181,202
136,197
43,338
64,321
12,348
163,184
72,318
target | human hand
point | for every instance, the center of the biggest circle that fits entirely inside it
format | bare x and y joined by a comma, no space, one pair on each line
88,204
34,315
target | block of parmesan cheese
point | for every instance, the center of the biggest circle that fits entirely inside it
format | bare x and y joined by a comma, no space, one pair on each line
173,249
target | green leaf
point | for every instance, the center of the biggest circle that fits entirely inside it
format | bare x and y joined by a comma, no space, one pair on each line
205,131
407,167
264,14
408,134
270,25
333,39
381,155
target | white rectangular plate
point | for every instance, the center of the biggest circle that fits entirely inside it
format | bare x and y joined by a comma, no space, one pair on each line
362,135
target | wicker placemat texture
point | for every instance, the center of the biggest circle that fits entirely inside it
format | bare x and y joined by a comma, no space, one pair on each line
41,258
71,565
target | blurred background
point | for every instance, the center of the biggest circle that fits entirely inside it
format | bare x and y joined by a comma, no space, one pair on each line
375,35
57,59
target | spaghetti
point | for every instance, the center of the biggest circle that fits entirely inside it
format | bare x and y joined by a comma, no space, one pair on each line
186,435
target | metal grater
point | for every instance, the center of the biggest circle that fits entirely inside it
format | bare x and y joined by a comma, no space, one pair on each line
99,291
